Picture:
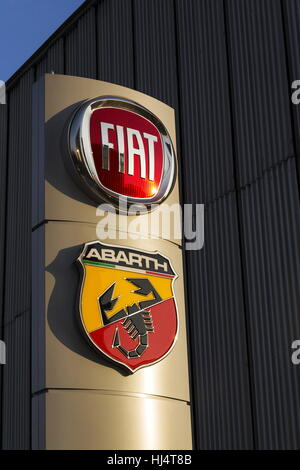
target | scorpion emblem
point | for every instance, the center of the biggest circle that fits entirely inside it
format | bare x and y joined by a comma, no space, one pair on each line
137,320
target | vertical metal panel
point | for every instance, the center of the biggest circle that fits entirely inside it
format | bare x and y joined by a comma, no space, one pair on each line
18,227
271,220
260,88
53,60
71,52
16,396
291,22
3,151
37,309
38,153
155,49
214,286
220,371
80,47
38,421
114,42
268,211
3,154
17,387
204,114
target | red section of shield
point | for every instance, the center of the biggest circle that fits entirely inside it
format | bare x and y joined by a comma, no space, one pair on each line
123,183
165,325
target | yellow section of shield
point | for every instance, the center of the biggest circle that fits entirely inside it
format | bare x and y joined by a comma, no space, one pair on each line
98,279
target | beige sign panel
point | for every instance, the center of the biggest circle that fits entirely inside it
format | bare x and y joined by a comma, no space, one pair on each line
95,419
71,381
57,195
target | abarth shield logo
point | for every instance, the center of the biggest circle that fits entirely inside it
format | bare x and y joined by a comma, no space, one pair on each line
127,305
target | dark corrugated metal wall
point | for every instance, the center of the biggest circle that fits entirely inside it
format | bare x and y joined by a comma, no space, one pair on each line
222,401
226,67
3,152
268,205
17,283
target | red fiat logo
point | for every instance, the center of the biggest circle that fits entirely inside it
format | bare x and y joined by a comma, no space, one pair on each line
127,151
120,148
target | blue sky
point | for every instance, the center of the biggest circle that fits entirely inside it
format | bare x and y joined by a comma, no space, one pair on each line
25,25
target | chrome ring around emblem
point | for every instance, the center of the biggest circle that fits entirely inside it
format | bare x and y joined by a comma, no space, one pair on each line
81,153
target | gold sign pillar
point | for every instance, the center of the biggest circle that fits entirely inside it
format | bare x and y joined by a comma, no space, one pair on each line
81,400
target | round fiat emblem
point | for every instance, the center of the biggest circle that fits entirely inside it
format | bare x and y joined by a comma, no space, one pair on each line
120,149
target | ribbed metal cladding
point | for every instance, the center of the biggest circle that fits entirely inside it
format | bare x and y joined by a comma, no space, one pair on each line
80,48
155,49
3,148
16,396
53,60
18,229
204,113
260,85
271,219
291,23
213,276
17,385
114,41
3,151
219,355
